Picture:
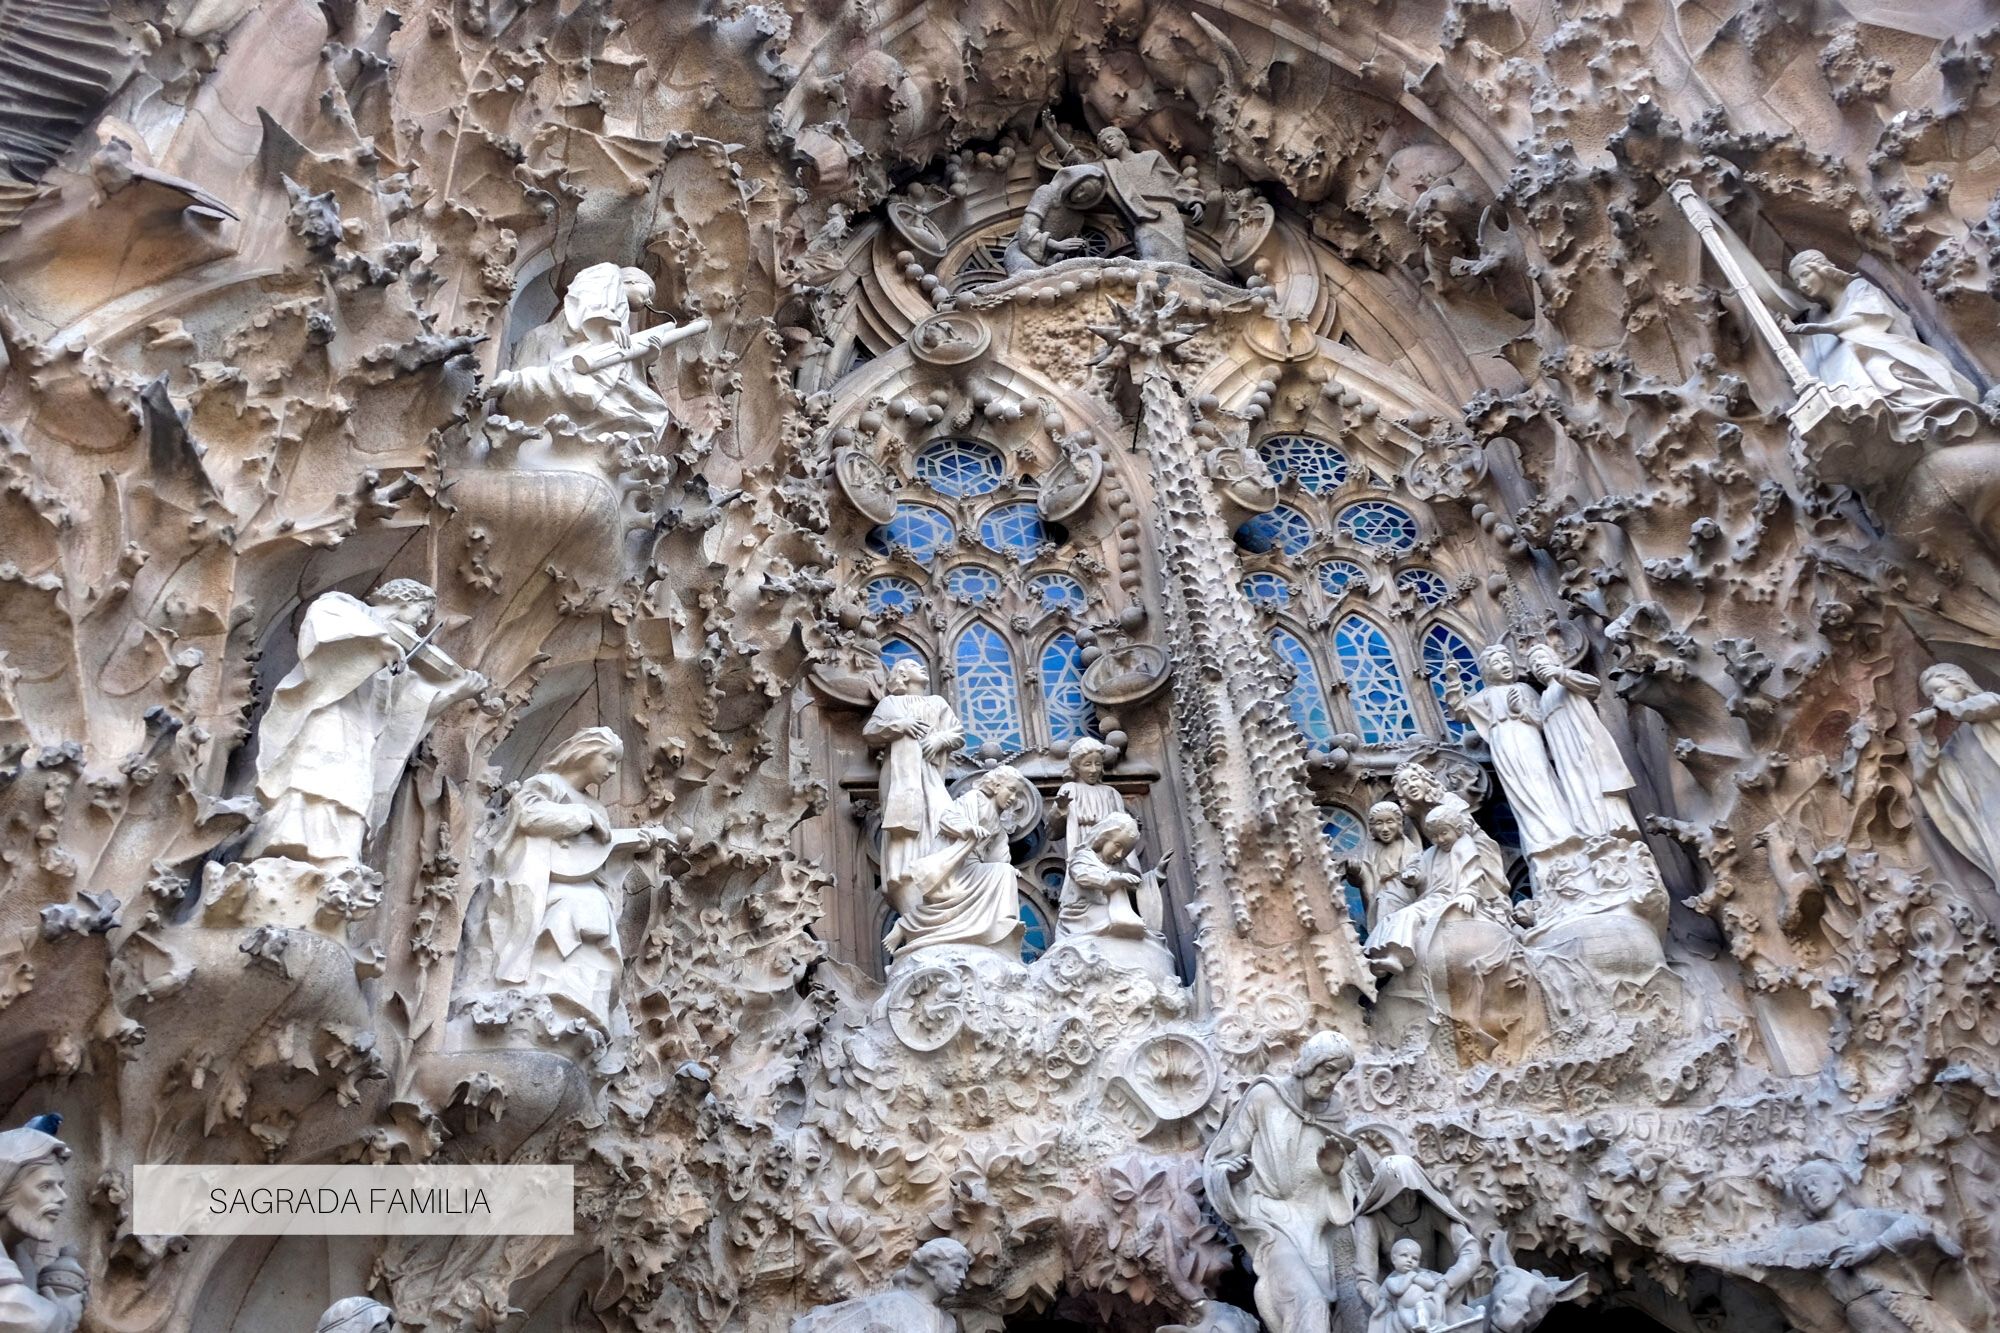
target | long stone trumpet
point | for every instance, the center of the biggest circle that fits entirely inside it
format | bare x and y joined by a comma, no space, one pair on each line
644,344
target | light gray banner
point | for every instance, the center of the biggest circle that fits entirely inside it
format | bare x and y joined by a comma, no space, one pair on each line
353,1200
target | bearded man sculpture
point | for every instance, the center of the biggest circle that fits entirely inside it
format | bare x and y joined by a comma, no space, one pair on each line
42,1288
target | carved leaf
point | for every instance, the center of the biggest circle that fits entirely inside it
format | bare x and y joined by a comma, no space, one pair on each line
59,62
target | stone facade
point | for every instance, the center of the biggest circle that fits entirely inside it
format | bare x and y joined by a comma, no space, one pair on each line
1138,666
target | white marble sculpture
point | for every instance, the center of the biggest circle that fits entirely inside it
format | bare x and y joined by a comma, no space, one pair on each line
1411,1298
1879,1268
1401,1209
1215,1317
1461,872
549,929
1280,1171
1958,774
1589,769
582,375
1507,713
918,733
1085,801
965,891
1387,871
1146,188
345,720
43,1287
1100,885
1521,1298
356,1314
1868,345
933,1276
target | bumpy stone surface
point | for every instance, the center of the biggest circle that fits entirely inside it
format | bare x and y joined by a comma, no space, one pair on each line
697,358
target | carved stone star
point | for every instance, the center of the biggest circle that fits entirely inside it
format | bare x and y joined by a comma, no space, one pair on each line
1146,329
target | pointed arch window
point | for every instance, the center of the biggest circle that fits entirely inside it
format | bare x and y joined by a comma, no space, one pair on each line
1382,706
1306,700
1447,658
989,696
1282,529
1071,717
898,650
918,529
1379,525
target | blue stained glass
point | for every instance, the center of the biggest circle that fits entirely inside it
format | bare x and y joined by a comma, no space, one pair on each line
972,583
919,529
959,468
1344,832
1427,586
1267,589
1283,529
989,699
1058,592
1381,701
1306,700
1337,576
896,650
893,594
1070,715
1035,935
1317,465
1449,657
1014,530
1379,524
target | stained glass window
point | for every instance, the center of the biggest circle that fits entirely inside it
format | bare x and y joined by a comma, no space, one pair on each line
986,262
1427,586
1283,529
1449,657
1267,589
1306,700
1014,529
1317,465
972,583
895,650
1337,576
1344,833
989,699
1058,592
1034,934
1070,715
959,468
1382,706
893,594
1379,524
919,529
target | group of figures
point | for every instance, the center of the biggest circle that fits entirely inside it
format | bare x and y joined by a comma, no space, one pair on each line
341,728
1444,929
945,862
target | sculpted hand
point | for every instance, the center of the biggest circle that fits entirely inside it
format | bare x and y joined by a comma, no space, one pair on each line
939,745
1234,1166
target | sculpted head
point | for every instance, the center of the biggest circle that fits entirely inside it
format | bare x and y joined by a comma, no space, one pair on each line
407,601
1448,823
356,1314
1945,683
1385,821
1114,836
32,1187
638,287
1496,664
1816,275
1406,1255
940,1264
1005,785
1818,1186
1088,759
908,677
1323,1061
1543,660
1112,141
589,757
1416,785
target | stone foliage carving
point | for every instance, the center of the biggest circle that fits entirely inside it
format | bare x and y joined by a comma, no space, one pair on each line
934,1274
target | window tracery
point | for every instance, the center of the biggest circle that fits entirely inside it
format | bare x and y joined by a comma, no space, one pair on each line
1014,529
960,468
989,691
917,531
1070,715
893,594
975,585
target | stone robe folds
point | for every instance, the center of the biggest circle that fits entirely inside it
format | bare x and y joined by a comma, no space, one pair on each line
1926,397
1469,876
1508,718
885,1312
1295,1206
1149,192
596,317
913,793
340,730
551,924
1959,783
970,892
1085,805
1588,765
